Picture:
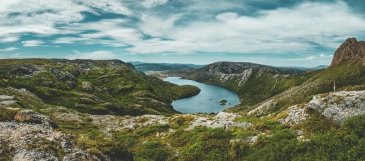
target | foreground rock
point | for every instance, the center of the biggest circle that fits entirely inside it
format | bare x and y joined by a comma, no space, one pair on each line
221,120
339,105
295,115
34,139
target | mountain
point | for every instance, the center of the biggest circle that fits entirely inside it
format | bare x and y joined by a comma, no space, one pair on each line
346,71
252,82
144,67
350,52
92,86
320,67
264,89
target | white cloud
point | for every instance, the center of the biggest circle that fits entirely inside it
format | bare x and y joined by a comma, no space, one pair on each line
9,49
228,16
153,3
311,57
96,55
38,16
8,38
274,31
32,43
115,6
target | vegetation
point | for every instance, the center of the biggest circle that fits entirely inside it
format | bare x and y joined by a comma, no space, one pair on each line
95,87
223,102
6,152
7,114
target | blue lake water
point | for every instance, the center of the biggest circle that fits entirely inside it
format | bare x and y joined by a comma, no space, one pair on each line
208,100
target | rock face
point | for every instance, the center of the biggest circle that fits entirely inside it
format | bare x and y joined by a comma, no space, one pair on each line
221,120
6,100
351,51
296,115
29,116
30,141
339,105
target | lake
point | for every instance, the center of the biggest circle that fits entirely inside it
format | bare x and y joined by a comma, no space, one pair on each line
207,101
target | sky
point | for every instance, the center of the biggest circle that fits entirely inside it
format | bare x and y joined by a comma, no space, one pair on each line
277,32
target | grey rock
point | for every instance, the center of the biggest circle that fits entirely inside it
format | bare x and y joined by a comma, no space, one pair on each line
339,105
296,114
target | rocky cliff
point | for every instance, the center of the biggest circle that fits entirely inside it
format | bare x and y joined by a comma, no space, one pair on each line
351,51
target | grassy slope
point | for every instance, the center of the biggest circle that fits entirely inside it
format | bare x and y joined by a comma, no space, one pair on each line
347,76
117,88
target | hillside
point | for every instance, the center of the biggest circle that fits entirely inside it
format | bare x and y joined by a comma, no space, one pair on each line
252,82
346,70
90,86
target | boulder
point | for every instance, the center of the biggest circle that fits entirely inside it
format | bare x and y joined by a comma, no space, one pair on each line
87,86
339,106
29,116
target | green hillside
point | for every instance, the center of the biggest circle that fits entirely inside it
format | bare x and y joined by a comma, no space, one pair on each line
95,87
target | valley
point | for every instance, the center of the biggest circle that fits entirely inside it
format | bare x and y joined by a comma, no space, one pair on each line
59,109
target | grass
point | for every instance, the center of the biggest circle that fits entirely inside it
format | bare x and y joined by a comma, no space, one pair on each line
7,114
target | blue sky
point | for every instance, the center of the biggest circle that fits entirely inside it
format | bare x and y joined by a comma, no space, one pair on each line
276,32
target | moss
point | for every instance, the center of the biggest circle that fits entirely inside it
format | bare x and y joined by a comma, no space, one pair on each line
44,145
181,121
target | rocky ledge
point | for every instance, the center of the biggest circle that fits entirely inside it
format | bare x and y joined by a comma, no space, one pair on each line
337,106
31,137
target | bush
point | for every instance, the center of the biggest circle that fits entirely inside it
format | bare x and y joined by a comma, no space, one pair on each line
153,150
356,125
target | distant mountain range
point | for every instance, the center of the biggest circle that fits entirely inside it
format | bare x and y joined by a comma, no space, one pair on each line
144,67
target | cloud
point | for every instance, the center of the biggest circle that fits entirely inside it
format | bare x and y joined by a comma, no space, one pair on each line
153,3
9,49
8,39
38,16
296,29
32,43
304,28
114,6
96,55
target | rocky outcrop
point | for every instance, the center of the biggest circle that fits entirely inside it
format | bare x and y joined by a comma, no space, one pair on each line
86,86
295,115
29,116
339,106
351,51
6,100
34,139
221,120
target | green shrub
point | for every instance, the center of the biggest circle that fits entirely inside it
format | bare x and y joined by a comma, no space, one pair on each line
356,125
153,150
